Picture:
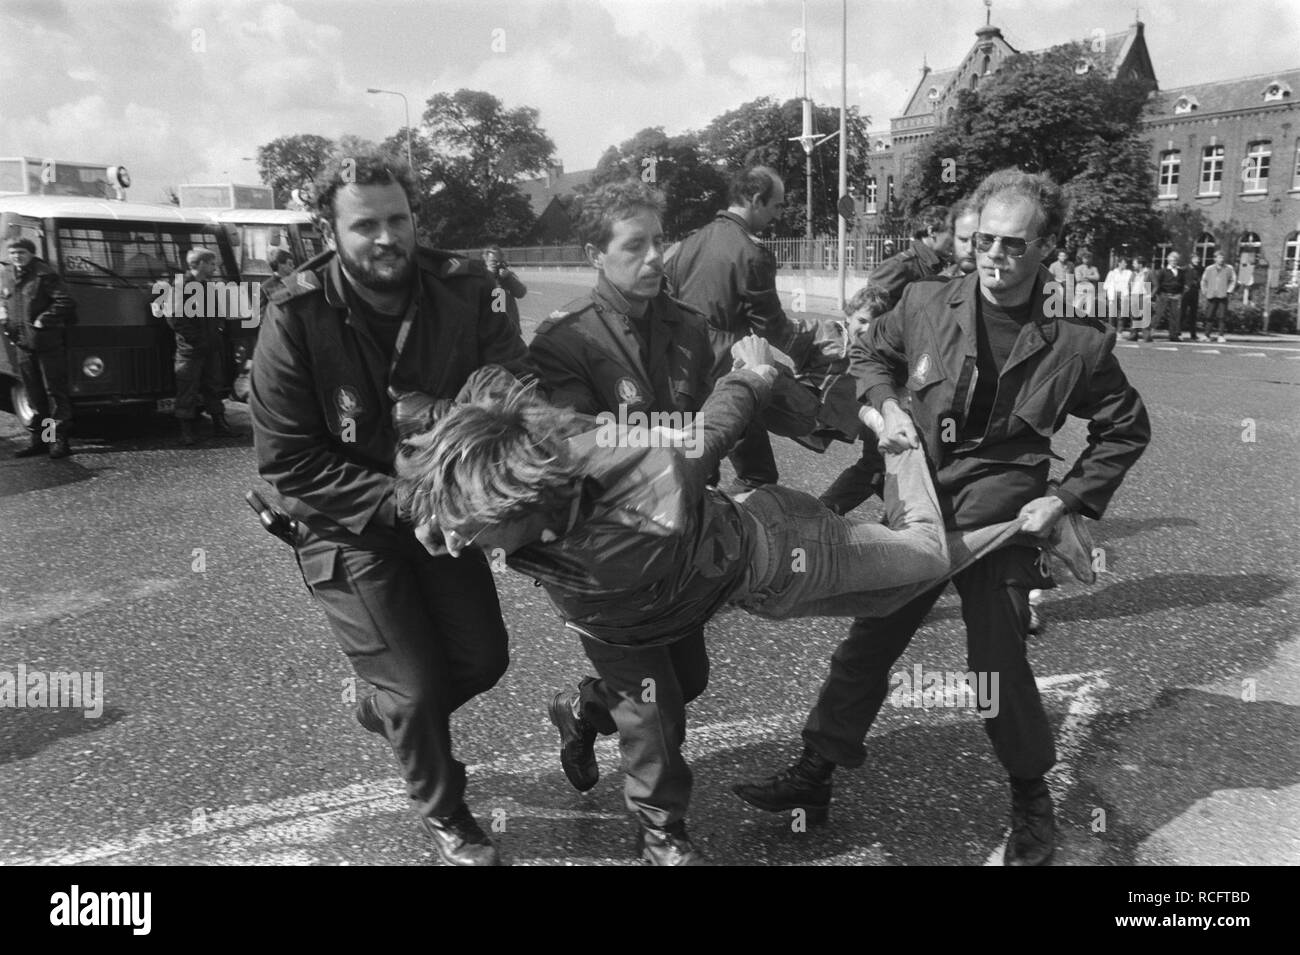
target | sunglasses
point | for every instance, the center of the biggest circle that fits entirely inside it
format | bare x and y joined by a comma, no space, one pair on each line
1011,245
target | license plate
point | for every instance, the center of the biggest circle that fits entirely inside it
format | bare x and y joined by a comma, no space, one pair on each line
166,405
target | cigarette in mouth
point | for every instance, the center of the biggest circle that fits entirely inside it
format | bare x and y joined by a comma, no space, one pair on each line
997,275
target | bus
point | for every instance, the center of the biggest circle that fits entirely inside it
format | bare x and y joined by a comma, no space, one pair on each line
28,176
112,255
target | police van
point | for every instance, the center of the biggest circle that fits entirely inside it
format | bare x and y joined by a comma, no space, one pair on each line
113,256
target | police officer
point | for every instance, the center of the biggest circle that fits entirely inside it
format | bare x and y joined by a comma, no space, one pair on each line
988,365
37,308
199,332
726,272
924,258
357,349
627,348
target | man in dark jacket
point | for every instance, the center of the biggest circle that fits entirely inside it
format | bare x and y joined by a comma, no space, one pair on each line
992,377
357,350
931,242
200,348
509,287
37,310
628,350
726,272
1169,285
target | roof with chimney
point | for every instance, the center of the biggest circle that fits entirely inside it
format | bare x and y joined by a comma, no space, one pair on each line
555,184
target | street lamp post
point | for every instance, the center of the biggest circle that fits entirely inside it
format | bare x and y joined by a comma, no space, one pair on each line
407,110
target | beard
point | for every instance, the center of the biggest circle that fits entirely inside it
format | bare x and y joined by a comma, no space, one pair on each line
365,274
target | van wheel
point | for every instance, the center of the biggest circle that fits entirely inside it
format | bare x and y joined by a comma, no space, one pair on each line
22,404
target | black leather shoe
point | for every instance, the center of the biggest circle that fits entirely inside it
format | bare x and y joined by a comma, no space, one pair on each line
577,742
1033,824
368,715
35,446
221,427
60,448
459,840
188,436
669,846
806,785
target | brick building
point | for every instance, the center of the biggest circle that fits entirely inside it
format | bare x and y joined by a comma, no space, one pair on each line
1225,156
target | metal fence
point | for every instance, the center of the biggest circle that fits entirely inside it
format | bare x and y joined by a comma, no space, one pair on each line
861,254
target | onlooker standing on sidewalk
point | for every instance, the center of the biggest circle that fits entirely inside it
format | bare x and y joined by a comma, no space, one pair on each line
1218,282
199,347
509,288
931,243
1060,269
1119,291
35,308
1169,283
1086,278
1192,298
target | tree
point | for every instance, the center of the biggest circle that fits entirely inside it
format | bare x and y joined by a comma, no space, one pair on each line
290,162
478,149
759,132
693,189
1037,113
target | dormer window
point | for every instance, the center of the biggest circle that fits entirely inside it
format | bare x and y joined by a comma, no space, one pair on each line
1083,66
1186,104
1276,92
933,94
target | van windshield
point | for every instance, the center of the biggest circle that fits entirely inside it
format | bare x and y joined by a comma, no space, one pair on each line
136,251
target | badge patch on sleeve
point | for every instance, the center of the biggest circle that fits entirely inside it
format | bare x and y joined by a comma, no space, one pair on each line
627,391
921,371
347,401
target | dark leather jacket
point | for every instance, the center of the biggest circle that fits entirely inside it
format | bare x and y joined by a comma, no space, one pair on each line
36,292
654,553
1058,367
322,415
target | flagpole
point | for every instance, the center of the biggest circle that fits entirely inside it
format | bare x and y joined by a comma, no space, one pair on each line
844,139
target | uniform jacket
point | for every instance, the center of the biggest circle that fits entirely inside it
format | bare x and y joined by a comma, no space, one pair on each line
726,272
201,330
899,271
589,357
37,292
653,552
320,378
1058,367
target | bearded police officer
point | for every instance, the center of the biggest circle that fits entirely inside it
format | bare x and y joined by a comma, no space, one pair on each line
358,348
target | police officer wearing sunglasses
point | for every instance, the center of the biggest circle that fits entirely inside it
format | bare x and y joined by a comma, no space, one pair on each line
358,349
992,376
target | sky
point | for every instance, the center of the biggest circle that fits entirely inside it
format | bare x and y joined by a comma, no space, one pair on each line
183,91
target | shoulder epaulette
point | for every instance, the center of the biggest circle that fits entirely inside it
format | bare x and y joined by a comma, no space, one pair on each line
576,307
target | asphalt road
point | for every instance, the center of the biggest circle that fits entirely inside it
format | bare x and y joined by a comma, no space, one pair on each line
226,735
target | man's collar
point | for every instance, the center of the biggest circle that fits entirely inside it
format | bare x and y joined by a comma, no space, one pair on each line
606,292
337,284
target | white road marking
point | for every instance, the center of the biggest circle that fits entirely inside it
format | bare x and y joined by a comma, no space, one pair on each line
1210,351
1252,354
46,608
1166,348
1082,710
244,834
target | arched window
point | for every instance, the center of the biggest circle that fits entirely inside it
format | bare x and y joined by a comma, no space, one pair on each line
1204,247
974,81
984,70
1082,66
1291,258
1276,91
1186,104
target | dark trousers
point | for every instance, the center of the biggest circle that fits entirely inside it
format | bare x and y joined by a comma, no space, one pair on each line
1215,306
753,459
44,374
427,633
1168,307
198,379
642,694
859,481
1190,311
995,606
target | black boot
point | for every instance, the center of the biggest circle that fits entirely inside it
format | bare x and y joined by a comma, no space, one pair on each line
806,785
221,427
34,447
368,715
1033,823
577,741
187,432
60,447
669,846
459,840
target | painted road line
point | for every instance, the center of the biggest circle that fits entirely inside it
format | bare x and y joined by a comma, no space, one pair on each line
1252,354
1083,708
1166,348
284,824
